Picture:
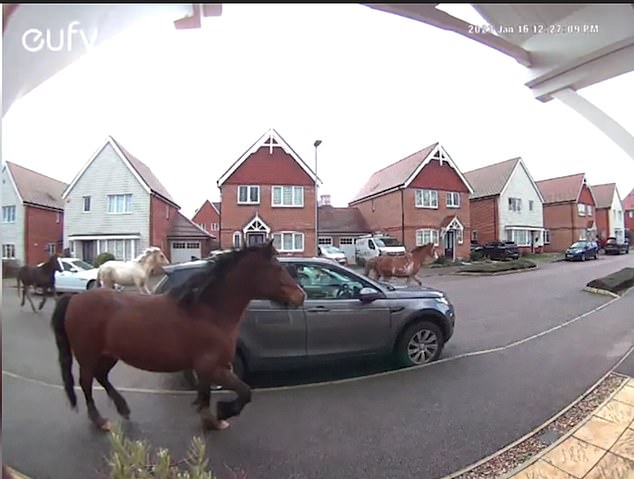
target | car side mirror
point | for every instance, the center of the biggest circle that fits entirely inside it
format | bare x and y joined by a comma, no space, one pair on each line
74,270
367,295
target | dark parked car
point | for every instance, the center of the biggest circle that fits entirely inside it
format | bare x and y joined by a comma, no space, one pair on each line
612,246
345,314
475,246
582,250
501,250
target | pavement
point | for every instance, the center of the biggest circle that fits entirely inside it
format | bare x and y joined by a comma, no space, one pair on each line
526,346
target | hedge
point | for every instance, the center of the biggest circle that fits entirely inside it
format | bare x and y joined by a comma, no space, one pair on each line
615,282
499,267
102,258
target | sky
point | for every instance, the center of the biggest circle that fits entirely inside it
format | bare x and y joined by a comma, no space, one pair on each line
373,87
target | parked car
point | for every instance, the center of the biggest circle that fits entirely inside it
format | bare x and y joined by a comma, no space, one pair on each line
345,315
613,246
501,250
333,253
476,246
77,276
582,250
367,247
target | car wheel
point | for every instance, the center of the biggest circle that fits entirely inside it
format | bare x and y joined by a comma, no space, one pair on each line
239,369
420,343
91,284
583,257
595,256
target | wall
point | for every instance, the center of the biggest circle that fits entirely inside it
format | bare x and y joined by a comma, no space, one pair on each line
383,214
107,174
42,228
207,216
162,215
484,219
560,219
617,220
12,233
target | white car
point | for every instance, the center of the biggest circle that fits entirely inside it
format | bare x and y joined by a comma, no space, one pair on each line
333,253
77,276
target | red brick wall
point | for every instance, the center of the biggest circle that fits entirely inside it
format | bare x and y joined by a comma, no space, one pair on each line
161,216
235,217
207,215
42,228
629,222
563,223
436,177
383,214
484,219
264,168
602,222
585,196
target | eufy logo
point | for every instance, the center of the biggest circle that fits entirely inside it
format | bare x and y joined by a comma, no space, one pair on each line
35,40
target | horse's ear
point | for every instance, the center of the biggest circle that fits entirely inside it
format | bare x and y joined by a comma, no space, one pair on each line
270,249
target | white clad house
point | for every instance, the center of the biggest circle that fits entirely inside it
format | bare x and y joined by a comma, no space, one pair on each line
609,211
507,205
116,204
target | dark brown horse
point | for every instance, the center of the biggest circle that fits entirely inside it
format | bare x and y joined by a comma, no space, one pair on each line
39,277
403,266
194,326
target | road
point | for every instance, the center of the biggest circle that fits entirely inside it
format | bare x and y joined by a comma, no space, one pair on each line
426,422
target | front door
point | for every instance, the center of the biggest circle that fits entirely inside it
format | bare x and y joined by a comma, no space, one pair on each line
450,240
88,250
255,238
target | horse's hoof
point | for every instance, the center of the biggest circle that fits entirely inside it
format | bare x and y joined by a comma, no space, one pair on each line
105,426
222,424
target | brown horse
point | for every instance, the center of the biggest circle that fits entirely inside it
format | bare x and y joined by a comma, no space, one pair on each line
193,326
403,266
39,277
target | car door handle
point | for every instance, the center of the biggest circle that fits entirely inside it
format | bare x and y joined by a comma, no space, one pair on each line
318,309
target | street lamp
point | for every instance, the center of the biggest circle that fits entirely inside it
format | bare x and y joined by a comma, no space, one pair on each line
316,144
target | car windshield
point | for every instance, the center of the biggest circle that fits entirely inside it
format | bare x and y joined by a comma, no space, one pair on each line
391,242
331,249
81,265
578,244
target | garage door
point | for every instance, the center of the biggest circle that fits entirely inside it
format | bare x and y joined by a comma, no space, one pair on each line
183,251
347,246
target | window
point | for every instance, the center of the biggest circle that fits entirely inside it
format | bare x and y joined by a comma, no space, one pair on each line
630,213
581,209
51,248
8,214
58,217
426,199
8,251
531,203
520,237
453,199
515,204
214,227
325,241
237,239
474,236
178,245
248,195
345,241
324,283
167,212
203,226
288,196
546,236
459,236
120,204
589,210
86,204
193,245
287,242
122,249
425,236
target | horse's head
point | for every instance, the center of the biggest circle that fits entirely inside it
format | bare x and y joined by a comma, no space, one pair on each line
153,259
425,253
54,264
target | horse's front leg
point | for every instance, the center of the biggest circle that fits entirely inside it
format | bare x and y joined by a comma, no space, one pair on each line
27,294
44,296
203,400
415,278
224,376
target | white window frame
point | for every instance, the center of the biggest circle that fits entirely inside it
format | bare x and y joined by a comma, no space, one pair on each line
293,203
419,198
279,244
167,212
588,210
459,235
630,213
83,204
581,209
512,235
453,195
193,245
58,217
236,235
474,235
8,248
531,205
434,236
249,188
112,200
546,236
51,248
203,226
325,241
515,204
349,240
6,217
215,226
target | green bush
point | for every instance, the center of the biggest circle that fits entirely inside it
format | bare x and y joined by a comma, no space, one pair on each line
498,267
476,256
102,258
135,460
615,282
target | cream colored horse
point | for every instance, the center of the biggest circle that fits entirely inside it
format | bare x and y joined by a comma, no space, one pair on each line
132,273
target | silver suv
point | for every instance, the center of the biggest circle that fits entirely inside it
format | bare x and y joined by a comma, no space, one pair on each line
345,314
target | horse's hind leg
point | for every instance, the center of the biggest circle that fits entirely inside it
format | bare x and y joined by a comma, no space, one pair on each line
86,376
106,363
27,295
203,401
44,296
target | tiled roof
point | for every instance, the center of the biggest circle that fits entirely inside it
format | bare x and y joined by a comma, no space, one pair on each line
603,194
394,175
341,220
146,174
490,180
36,188
182,227
564,188
628,201
216,204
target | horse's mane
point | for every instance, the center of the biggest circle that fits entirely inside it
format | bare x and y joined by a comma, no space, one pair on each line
146,254
193,290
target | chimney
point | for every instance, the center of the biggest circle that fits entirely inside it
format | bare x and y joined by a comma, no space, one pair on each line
324,200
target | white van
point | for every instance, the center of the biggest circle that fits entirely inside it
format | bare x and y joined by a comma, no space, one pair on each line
370,246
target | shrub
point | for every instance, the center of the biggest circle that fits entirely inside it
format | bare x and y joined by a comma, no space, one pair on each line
615,282
135,460
476,256
498,267
102,258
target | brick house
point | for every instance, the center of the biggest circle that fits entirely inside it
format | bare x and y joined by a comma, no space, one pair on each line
340,227
32,215
506,204
609,211
568,211
420,199
116,204
269,192
628,210
208,217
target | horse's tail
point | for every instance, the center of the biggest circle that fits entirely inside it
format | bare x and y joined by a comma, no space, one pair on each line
18,285
63,346
369,266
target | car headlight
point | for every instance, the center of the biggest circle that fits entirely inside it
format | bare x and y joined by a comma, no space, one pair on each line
443,300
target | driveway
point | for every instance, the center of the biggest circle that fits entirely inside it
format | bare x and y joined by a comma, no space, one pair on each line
425,422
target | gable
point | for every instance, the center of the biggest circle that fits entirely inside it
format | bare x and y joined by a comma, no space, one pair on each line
207,213
585,196
437,176
521,176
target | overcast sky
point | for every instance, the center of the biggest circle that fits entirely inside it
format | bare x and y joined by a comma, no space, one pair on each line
373,87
